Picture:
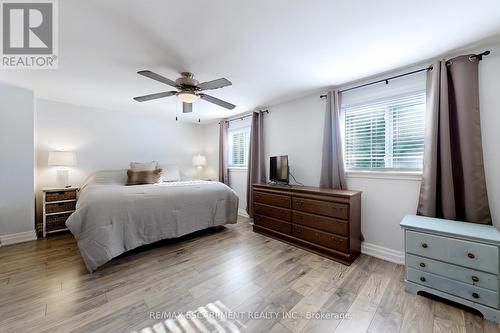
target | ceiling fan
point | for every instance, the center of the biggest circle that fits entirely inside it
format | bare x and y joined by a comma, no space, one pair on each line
189,90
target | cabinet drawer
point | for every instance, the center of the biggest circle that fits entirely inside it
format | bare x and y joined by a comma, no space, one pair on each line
326,208
462,274
272,199
271,211
321,222
56,222
60,195
455,251
472,293
60,207
274,224
338,243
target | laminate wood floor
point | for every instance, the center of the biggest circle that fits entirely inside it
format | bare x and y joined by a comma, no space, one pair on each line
44,287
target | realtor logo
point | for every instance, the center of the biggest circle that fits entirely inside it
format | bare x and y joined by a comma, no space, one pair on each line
29,34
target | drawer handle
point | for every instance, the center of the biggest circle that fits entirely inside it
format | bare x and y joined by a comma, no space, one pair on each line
422,264
471,255
424,245
422,279
475,295
475,278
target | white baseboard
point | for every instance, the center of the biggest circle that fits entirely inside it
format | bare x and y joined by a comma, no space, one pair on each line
18,238
242,212
384,253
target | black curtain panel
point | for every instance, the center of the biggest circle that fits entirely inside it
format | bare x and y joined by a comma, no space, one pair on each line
332,166
453,183
256,163
223,173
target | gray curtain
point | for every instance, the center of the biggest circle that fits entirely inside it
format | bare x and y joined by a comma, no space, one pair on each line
223,173
453,183
256,163
332,166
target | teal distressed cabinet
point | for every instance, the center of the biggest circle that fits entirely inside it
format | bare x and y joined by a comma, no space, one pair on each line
454,260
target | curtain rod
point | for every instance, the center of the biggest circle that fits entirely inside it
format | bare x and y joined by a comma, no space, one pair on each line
478,56
245,116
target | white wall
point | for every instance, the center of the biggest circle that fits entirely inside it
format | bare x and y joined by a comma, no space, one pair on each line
211,150
238,182
294,128
16,161
108,139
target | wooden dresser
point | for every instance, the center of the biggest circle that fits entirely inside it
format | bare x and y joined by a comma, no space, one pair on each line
325,221
455,260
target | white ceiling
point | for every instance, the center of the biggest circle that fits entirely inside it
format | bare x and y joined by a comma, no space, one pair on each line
272,50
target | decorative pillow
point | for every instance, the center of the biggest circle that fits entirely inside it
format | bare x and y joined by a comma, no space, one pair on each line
143,177
148,166
172,173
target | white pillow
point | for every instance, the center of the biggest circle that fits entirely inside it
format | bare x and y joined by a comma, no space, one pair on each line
108,177
171,173
148,166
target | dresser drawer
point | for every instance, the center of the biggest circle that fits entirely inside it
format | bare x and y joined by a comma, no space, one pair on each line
462,274
338,243
56,222
326,208
272,199
321,222
276,212
274,224
459,252
60,207
60,195
469,292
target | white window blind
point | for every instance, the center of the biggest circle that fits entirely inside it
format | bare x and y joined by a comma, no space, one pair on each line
239,140
385,134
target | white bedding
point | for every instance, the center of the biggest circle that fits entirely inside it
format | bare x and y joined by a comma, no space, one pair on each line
112,218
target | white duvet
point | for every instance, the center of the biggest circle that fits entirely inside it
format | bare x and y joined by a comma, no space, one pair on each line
112,218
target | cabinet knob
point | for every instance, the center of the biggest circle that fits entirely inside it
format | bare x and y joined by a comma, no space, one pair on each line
475,295
475,278
424,245
471,255
422,264
422,279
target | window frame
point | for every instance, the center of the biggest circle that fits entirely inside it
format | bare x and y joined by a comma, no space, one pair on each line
379,172
230,132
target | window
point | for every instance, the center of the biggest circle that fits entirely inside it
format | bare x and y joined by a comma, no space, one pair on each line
239,140
386,134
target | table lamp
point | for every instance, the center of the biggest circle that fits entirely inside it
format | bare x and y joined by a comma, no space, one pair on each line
62,160
199,161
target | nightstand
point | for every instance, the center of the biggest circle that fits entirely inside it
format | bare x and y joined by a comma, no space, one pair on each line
58,204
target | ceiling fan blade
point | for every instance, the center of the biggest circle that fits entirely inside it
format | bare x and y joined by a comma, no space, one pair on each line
187,107
214,84
217,101
158,77
154,96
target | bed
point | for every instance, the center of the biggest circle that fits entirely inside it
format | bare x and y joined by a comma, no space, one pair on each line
112,218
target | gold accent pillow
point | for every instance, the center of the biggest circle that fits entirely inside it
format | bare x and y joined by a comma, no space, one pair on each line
143,177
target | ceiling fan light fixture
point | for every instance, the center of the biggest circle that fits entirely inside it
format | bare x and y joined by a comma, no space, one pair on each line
187,96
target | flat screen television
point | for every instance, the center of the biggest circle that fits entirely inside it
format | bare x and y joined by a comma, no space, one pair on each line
278,169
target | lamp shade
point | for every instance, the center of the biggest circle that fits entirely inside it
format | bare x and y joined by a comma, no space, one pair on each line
199,160
187,97
62,158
